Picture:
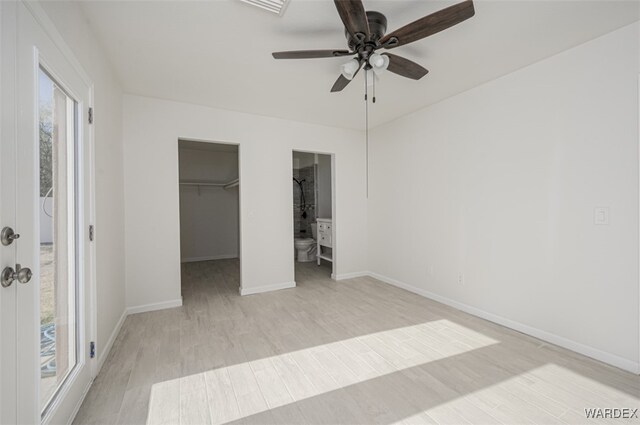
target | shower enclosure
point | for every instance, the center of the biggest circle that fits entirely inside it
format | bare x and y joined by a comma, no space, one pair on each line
304,193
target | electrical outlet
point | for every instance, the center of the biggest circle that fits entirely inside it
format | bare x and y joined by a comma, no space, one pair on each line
601,215
460,279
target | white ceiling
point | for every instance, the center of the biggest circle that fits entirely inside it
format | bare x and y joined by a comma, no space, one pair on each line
218,53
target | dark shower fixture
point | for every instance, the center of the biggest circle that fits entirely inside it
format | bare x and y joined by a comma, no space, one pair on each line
303,201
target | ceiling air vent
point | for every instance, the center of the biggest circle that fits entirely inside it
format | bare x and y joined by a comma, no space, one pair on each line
275,6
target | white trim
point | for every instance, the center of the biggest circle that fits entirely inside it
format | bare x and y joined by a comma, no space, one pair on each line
104,351
267,288
92,245
86,294
100,361
352,275
334,215
240,217
155,306
47,25
76,409
209,258
569,344
50,29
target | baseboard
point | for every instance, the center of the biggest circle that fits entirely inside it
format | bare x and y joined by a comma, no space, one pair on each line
153,307
352,275
104,351
76,408
209,258
563,342
267,288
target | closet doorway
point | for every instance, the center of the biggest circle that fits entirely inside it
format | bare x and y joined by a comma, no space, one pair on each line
209,220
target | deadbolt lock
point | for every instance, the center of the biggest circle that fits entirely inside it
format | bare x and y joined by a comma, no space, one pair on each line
7,236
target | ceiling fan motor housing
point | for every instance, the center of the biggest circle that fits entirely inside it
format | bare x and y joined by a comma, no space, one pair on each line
377,28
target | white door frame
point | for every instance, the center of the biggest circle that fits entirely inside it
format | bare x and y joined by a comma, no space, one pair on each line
8,307
334,249
189,139
18,114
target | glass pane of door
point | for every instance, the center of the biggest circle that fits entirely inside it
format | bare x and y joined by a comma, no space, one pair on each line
58,289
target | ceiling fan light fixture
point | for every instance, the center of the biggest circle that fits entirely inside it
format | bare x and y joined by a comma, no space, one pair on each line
350,68
379,63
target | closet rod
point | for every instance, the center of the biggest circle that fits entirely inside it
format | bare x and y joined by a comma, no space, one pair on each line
232,183
202,184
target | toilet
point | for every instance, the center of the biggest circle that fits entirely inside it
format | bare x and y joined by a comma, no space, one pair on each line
306,247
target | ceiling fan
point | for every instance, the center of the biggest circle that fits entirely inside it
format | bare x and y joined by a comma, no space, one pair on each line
365,33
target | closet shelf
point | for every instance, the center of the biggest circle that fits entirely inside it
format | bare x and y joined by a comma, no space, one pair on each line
227,185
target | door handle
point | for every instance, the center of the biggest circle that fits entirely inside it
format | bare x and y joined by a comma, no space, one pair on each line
22,275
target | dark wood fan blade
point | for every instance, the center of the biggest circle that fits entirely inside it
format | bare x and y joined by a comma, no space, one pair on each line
430,24
353,17
405,67
310,54
342,82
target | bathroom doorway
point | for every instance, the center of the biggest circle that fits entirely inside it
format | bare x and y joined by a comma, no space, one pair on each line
313,216
209,220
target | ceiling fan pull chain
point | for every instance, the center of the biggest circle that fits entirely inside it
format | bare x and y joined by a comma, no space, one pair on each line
366,87
374,87
366,130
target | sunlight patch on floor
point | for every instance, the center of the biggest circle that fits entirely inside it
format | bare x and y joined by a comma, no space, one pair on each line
549,394
244,389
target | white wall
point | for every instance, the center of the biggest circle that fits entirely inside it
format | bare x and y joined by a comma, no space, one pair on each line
152,128
209,215
108,162
324,186
500,183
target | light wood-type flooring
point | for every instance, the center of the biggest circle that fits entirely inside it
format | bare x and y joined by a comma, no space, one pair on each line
352,352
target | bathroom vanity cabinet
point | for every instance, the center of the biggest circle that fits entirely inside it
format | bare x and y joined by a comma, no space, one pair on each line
325,240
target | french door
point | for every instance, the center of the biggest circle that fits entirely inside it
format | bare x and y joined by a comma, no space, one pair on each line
45,356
